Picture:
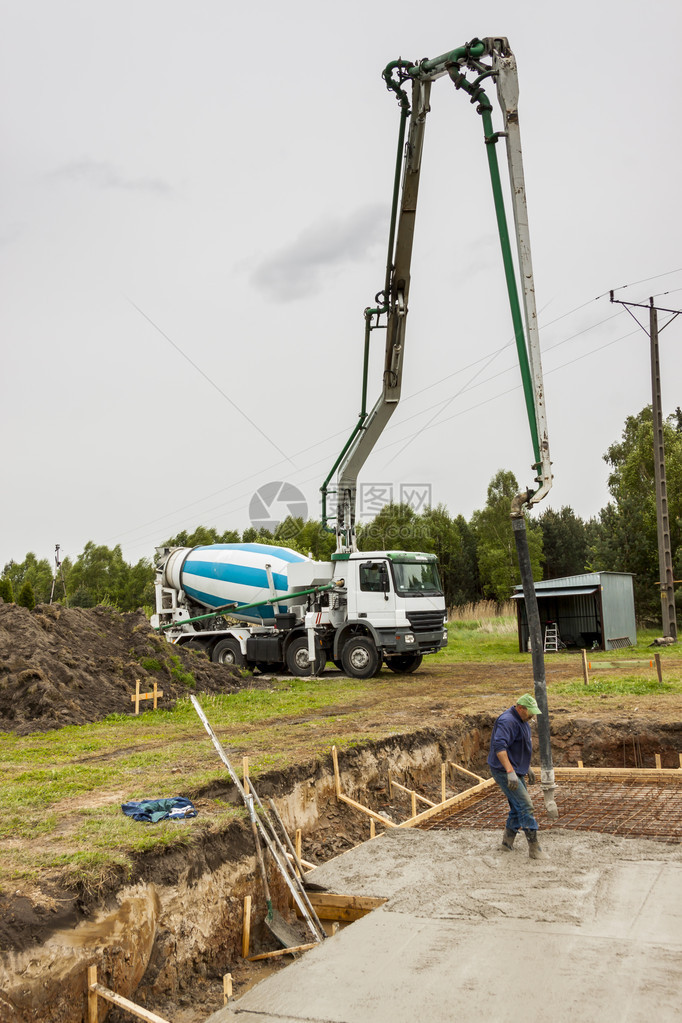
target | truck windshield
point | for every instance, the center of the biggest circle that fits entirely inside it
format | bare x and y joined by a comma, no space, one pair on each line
416,577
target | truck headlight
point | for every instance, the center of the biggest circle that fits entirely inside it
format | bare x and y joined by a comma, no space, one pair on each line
409,638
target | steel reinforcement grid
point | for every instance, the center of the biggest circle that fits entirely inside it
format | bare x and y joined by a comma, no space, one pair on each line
631,807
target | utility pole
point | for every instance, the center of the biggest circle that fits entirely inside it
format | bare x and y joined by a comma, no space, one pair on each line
665,560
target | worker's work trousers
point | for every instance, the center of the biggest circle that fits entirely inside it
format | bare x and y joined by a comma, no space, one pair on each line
521,813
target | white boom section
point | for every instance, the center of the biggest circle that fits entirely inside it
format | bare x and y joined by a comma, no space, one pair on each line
374,425
506,77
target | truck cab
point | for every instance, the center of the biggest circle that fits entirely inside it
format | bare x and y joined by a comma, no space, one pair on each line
395,600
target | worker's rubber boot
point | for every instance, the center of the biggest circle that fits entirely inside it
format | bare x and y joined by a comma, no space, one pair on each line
508,839
534,850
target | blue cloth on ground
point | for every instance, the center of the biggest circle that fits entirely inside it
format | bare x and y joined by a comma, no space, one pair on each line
149,811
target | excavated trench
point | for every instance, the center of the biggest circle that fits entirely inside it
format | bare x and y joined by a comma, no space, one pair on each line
167,940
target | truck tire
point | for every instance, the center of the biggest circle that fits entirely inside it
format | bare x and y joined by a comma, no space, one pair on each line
360,657
297,658
228,651
404,664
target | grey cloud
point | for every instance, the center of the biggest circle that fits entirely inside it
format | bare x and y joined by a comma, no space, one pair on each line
297,270
105,175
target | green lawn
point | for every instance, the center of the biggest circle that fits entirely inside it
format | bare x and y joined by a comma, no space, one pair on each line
496,639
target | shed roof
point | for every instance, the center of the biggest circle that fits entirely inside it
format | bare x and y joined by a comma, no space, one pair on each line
569,592
592,579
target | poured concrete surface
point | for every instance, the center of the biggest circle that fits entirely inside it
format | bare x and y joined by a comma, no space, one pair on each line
470,932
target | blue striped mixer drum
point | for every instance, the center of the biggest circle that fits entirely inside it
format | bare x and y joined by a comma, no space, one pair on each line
227,573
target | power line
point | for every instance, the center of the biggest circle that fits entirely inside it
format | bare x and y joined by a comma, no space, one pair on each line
209,380
234,504
645,280
231,504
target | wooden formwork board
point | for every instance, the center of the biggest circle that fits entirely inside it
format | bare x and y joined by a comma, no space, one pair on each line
331,906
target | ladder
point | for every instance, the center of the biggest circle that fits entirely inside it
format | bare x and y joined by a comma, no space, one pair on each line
551,637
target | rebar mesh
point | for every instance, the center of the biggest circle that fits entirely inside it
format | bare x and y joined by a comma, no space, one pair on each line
634,808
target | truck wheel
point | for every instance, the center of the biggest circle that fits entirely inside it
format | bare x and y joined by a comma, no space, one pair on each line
360,657
403,664
228,651
297,658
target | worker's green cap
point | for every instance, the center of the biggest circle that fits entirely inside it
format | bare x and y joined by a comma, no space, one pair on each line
529,703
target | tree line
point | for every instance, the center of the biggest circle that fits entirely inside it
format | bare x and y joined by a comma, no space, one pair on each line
477,557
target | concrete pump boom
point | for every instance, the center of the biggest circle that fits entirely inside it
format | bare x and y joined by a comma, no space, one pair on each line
392,302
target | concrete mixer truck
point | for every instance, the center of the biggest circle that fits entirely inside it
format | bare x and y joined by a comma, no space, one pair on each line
360,610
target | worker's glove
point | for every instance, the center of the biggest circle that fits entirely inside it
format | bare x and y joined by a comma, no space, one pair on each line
512,780
531,776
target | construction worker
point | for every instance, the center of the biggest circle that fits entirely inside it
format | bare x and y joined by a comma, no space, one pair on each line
511,748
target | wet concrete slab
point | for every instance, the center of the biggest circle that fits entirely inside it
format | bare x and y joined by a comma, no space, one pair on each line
593,932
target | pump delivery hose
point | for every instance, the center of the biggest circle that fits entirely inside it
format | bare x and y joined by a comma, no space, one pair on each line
537,651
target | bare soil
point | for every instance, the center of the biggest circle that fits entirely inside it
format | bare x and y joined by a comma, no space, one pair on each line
70,666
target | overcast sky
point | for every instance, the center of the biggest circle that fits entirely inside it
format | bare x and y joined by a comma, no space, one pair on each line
195,202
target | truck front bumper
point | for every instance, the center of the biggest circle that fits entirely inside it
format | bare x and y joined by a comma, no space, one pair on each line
406,641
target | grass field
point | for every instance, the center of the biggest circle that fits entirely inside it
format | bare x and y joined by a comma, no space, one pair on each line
62,789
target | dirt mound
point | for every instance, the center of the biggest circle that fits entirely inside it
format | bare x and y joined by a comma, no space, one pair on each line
69,666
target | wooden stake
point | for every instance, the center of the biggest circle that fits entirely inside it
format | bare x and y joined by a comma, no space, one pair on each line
227,987
297,842
580,763
414,804
657,658
92,994
373,827
96,990
390,786
335,927
443,770
658,761
586,677
138,696
246,927
680,756
337,779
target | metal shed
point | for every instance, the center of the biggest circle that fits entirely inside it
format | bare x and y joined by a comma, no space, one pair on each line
595,611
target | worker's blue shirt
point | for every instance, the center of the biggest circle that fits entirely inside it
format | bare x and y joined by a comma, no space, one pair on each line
512,734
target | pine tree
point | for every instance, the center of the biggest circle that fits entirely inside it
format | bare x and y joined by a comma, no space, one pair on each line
6,591
26,596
